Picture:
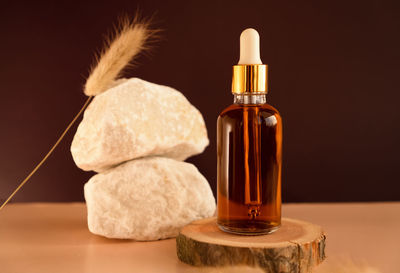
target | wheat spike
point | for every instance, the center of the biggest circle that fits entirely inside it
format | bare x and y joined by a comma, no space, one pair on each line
130,39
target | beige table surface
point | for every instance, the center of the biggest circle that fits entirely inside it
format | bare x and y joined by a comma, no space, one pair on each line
53,237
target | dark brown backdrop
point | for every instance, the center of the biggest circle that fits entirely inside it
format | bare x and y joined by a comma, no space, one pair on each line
334,76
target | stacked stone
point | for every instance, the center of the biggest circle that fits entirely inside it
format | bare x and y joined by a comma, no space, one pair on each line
136,136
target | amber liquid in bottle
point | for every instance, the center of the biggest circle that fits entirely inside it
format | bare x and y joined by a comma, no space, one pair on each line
249,140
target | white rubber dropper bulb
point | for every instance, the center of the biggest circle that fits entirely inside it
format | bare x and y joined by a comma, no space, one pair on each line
249,47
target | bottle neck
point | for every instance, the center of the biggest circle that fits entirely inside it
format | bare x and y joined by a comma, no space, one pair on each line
249,99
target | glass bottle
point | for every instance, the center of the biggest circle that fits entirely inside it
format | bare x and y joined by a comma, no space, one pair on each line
249,153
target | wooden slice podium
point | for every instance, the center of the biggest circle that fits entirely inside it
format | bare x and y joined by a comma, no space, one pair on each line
296,247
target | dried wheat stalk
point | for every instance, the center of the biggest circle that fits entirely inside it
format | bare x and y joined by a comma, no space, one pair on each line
130,38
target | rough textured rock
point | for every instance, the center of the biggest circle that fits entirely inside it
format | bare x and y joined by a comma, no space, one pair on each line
135,119
147,199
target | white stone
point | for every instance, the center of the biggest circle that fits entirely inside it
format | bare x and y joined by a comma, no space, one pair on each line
147,199
135,119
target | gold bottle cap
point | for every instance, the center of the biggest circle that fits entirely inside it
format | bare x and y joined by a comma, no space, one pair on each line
250,79
250,75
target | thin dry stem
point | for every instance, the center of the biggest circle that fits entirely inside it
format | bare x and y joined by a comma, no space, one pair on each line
48,153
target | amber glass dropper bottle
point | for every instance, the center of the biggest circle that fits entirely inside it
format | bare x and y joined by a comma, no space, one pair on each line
249,152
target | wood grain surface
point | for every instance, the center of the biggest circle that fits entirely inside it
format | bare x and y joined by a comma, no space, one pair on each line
296,247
